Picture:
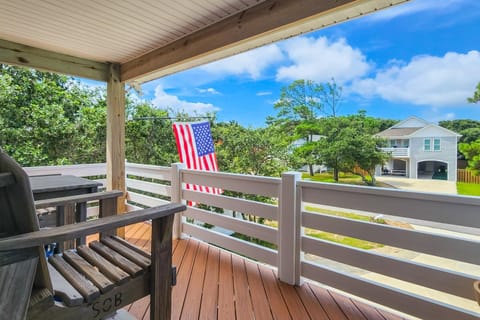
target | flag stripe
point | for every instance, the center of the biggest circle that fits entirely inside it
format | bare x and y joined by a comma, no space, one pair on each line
196,150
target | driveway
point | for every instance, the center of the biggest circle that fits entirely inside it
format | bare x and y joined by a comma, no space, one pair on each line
420,185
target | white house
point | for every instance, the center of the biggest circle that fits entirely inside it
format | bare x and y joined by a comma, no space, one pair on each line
420,150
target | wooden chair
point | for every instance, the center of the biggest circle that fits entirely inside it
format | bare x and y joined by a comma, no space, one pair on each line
87,282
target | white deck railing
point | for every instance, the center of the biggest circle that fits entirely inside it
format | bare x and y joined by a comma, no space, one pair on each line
433,279
397,152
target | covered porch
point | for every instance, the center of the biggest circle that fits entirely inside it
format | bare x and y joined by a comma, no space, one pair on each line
131,42
423,263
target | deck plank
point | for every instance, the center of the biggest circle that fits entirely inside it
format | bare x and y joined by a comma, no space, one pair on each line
312,305
368,311
215,284
347,306
226,301
275,298
294,303
333,311
191,309
261,308
184,272
208,309
243,302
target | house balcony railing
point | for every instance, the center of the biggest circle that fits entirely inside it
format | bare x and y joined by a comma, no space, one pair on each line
426,268
397,152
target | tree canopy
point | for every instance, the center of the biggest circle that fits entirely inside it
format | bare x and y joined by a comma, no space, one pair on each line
49,119
476,95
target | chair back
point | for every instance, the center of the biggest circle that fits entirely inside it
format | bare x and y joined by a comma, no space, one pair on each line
25,270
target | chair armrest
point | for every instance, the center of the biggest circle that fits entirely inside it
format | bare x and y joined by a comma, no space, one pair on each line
77,230
54,202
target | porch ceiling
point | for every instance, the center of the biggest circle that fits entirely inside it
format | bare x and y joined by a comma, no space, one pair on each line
153,38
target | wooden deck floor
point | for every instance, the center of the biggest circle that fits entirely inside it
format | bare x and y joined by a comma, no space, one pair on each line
215,284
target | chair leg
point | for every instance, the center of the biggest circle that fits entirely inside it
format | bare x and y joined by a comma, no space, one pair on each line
161,269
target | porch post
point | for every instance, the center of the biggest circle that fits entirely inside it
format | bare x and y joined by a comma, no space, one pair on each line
289,230
116,137
176,197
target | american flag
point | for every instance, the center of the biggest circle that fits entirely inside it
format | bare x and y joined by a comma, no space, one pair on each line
196,150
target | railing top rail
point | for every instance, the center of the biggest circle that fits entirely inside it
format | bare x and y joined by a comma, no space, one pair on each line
393,193
234,176
146,166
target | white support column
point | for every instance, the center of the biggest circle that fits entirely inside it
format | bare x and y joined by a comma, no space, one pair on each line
176,197
289,230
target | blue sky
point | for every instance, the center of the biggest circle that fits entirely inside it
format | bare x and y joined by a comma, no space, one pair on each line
421,58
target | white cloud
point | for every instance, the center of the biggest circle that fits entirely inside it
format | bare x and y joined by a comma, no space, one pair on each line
426,80
251,63
413,7
263,93
164,100
319,59
208,90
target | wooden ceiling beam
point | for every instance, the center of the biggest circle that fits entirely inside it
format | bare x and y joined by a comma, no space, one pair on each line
264,23
21,55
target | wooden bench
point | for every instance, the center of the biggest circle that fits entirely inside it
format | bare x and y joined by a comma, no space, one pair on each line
88,282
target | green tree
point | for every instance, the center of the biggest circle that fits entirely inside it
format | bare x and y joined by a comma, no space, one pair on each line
148,135
40,115
472,154
300,106
348,142
476,95
256,151
468,128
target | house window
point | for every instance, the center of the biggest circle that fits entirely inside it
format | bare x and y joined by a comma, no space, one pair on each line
426,145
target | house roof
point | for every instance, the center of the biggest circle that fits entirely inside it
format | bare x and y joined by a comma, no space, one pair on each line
397,132
414,126
153,38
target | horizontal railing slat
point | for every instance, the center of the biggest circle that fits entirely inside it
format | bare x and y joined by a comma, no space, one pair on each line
264,210
450,209
234,224
147,186
239,246
266,186
403,301
145,200
407,270
149,171
439,245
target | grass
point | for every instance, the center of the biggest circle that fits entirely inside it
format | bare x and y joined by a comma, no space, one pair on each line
353,242
345,178
348,241
468,189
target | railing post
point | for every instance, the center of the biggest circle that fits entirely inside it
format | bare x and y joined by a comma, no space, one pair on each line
176,197
289,230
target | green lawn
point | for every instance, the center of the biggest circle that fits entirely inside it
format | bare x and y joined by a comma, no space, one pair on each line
345,178
353,242
468,189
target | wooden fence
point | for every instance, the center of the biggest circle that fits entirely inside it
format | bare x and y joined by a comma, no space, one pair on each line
467,176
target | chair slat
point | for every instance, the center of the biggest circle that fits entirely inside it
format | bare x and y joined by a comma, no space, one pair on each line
132,255
63,290
78,281
132,246
116,258
110,270
89,271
